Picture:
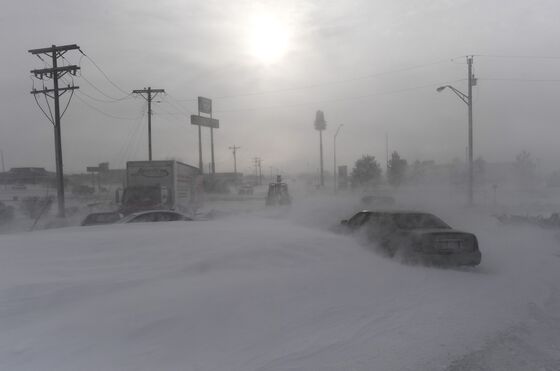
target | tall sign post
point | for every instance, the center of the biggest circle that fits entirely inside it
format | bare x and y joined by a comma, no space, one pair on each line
205,106
320,125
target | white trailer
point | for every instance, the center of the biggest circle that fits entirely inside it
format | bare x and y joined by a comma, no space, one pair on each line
168,185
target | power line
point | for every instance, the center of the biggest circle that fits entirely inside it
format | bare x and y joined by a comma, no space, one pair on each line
102,100
320,84
103,73
517,56
177,104
103,112
520,80
388,92
126,143
47,102
124,152
112,99
103,93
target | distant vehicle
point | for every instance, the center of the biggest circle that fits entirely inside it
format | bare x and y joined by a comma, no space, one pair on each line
101,218
154,216
278,193
245,189
416,237
154,185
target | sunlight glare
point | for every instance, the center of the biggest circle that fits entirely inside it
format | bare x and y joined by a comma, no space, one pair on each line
267,38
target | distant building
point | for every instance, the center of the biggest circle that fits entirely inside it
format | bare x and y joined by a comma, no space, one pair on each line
27,175
221,182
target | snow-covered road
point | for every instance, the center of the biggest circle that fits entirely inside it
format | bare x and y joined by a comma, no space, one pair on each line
265,292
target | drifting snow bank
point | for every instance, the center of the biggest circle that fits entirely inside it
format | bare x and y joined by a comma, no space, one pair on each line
254,294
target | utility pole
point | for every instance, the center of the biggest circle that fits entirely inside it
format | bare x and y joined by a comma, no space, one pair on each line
55,73
320,125
467,99
258,169
234,150
386,151
200,148
334,146
3,164
256,161
213,169
3,169
150,94
470,106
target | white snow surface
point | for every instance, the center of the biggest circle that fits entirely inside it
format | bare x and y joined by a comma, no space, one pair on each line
273,291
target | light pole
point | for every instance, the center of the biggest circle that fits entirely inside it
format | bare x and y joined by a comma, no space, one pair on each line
334,147
320,125
3,168
467,99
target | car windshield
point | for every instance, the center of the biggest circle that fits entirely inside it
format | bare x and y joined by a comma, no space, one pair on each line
418,221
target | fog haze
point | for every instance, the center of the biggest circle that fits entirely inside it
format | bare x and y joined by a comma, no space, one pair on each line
351,59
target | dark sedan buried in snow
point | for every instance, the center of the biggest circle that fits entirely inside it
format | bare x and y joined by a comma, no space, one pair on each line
416,237
102,218
154,216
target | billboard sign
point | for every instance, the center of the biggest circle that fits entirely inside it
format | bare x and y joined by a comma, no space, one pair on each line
104,166
205,121
205,105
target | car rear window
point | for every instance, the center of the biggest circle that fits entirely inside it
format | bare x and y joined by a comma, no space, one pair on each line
418,221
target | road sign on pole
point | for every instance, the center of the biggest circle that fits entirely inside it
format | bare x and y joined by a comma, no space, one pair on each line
205,121
205,105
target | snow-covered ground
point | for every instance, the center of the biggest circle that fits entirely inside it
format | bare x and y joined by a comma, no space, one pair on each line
274,290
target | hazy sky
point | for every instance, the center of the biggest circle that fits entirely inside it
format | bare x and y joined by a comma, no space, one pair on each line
269,65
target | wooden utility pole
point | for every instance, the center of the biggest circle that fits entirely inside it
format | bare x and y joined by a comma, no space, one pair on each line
258,170
150,94
55,73
234,150
472,82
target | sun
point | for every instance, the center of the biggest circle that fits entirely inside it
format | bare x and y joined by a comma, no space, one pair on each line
268,38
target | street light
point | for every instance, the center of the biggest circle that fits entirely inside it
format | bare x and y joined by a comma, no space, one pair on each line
467,99
334,146
320,125
3,168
